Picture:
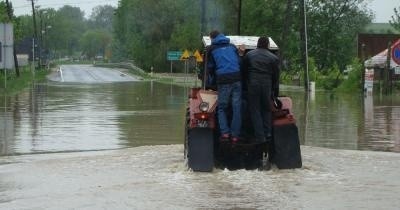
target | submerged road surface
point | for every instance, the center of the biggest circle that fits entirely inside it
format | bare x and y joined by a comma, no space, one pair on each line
155,177
89,74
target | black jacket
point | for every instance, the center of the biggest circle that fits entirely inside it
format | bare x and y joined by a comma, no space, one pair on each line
260,66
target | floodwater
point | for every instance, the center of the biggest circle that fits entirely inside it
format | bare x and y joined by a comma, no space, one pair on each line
119,146
355,122
58,117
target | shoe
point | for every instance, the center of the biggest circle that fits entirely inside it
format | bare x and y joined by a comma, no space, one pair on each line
234,140
224,137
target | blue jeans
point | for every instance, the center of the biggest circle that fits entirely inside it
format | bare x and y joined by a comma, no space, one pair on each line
230,94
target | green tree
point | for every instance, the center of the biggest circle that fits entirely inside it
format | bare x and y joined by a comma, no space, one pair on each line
69,25
95,42
144,30
3,12
332,29
102,18
395,22
23,27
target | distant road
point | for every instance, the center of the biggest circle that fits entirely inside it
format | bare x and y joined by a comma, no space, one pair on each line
89,74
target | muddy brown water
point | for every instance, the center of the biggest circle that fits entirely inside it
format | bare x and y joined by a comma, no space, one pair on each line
133,134
56,117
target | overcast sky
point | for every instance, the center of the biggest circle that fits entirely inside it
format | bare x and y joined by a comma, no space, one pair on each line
383,8
24,6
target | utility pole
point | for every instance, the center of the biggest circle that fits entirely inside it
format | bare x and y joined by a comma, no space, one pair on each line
239,17
33,56
386,71
40,46
303,38
287,22
34,26
9,13
363,67
203,18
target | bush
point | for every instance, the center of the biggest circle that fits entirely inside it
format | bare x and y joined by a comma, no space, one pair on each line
353,82
331,79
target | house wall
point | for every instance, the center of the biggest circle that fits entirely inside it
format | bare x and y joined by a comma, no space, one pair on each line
374,44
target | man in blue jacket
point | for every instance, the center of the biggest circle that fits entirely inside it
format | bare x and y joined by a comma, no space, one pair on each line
223,61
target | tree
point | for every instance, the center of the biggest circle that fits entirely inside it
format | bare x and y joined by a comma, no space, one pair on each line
69,24
144,30
332,29
95,42
395,22
3,12
102,18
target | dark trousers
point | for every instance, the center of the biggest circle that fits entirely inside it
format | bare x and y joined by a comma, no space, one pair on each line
259,102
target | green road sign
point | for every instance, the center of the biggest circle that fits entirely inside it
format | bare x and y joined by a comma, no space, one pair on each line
174,55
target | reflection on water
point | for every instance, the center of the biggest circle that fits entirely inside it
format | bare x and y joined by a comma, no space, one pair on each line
53,118
348,121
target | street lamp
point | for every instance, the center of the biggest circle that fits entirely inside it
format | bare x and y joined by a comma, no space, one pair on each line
306,43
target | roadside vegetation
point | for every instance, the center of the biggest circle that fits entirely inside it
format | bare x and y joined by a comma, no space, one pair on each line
141,32
15,83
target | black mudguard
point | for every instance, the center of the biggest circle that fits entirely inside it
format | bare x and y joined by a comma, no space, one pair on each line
200,152
285,153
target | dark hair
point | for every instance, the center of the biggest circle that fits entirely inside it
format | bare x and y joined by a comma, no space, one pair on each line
263,42
214,34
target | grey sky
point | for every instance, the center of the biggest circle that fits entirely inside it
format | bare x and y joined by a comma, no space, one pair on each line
24,6
383,8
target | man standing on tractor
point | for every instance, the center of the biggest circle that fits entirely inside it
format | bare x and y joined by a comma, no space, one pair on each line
261,68
223,60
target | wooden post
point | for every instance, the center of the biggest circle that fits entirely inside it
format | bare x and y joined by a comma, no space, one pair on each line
386,73
363,67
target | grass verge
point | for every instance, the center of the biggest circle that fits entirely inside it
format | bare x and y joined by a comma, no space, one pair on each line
16,84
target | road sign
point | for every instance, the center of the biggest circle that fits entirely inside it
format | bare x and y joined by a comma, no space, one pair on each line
174,55
185,55
6,48
198,57
396,53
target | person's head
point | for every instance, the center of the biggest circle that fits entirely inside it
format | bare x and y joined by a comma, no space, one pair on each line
214,34
263,42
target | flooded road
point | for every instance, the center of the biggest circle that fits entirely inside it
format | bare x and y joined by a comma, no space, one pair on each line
62,116
155,177
89,74
75,145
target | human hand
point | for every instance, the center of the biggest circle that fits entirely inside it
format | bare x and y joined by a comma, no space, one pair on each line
241,49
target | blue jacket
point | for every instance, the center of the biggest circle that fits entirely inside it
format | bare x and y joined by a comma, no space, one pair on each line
223,60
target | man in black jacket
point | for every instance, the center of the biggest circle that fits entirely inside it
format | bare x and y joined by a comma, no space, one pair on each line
261,68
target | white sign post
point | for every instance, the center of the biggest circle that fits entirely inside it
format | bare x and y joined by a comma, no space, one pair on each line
397,70
6,49
369,80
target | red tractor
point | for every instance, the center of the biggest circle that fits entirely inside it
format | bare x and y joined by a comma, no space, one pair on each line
202,149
